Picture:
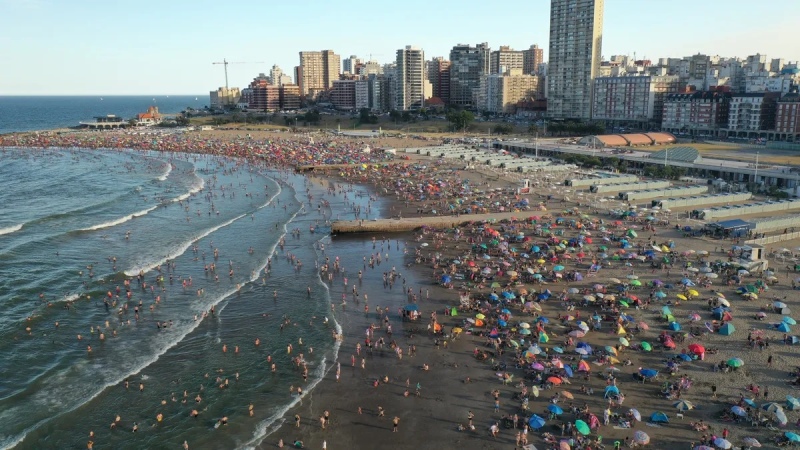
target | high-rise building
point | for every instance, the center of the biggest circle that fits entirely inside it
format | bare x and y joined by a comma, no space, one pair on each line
351,64
277,77
500,93
439,76
467,65
505,59
224,97
576,30
262,95
371,67
410,78
787,117
634,100
317,71
532,60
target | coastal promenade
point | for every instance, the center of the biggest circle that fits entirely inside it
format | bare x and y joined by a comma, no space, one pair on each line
413,223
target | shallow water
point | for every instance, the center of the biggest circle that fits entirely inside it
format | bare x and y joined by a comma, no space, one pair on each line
69,213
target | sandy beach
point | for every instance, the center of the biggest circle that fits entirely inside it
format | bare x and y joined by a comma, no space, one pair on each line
565,271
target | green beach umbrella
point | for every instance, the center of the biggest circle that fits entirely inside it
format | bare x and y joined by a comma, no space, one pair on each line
624,303
636,283
735,362
582,427
647,347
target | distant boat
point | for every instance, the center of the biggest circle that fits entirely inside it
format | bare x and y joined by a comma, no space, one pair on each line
101,99
195,98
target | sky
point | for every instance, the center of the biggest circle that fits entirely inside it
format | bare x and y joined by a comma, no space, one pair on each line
114,47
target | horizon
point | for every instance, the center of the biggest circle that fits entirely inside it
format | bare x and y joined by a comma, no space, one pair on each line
178,47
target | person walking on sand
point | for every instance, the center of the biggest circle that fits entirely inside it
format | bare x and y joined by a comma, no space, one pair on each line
395,423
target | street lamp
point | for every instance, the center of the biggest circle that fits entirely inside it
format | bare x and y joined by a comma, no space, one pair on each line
755,175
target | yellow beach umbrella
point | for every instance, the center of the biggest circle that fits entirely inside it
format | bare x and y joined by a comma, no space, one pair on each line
682,297
693,293
480,316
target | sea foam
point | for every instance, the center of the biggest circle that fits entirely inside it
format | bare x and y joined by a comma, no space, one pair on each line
120,220
11,229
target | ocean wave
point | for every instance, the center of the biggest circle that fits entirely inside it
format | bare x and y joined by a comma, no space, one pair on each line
150,265
166,174
197,187
11,229
120,220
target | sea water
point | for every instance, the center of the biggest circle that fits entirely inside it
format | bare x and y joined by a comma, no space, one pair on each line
76,224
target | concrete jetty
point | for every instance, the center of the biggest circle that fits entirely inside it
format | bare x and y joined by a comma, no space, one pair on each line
413,223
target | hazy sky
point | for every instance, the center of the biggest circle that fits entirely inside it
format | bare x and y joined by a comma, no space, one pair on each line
107,47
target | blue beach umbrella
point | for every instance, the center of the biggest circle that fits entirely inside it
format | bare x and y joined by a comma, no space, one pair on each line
446,278
783,327
555,409
685,357
536,422
543,319
568,371
789,320
648,373
493,296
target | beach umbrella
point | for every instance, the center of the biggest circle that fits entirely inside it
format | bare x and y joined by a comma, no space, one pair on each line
577,333
735,362
536,422
636,414
564,445
659,417
647,347
624,341
611,390
660,294
583,326
636,283
685,357
480,316
632,277
641,438
648,373
555,380
537,366
792,403
674,326
583,366
793,437
524,325
555,409
738,410
751,442
771,407
558,349
615,280
780,416
694,317
446,278
611,349
567,394
683,405
558,268
525,332
783,327
727,329
750,402
722,443
682,297
582,427
779,305
543,319
589,298
789,320
493,296
573,290
581,351
724,302
697,349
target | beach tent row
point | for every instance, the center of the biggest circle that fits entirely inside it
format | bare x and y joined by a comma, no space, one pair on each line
601,178
616,187
776,223
749,208
677,191
699,201
491,158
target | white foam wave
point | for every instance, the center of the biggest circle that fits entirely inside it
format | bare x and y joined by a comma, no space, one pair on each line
120,220
149,265
11,229
195,189
166,174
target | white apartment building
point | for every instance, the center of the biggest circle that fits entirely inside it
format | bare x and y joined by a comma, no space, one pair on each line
576,30
500,93
410,78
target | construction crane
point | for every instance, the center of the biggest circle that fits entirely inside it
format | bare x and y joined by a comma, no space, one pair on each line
225,63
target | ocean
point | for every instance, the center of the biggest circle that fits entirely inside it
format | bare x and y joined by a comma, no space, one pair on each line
127,252
30,113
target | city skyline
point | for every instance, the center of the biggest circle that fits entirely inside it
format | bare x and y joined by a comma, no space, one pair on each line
54,48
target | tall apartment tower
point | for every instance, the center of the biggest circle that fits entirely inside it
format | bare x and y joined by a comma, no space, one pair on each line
532,60
317,72
505,59
439,76
410,78
576,34
351,64
467,65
